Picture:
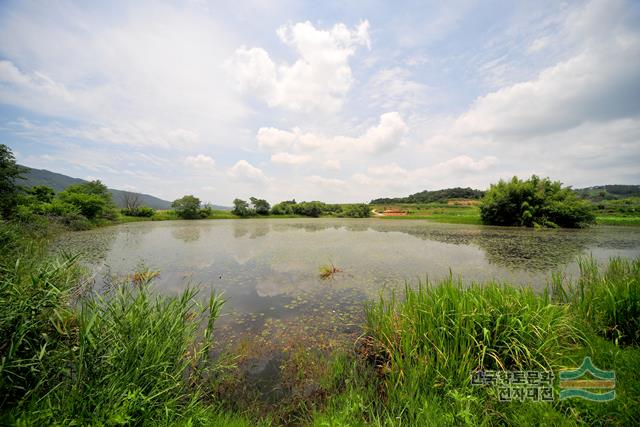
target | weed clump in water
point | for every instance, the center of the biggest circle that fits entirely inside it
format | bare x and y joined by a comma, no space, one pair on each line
328,271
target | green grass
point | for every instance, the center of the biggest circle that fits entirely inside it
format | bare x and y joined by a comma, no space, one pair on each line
72,357
618,220
418,351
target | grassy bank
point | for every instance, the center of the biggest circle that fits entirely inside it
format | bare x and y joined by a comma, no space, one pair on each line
72,357
426,344
130,357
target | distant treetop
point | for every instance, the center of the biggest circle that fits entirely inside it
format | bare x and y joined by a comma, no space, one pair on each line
433,196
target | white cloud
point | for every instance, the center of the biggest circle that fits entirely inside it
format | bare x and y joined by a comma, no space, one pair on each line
318,80
383,137
200,161
245,171
391,169
152,77
539,44
392,88
466,163
275,139
290,159
598,83
337,184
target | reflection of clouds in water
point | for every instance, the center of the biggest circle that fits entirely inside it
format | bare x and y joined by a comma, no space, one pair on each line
282,256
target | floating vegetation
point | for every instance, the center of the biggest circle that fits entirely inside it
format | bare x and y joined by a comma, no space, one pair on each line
142,277
327,271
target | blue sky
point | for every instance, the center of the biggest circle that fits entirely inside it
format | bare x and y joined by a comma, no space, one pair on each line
337,101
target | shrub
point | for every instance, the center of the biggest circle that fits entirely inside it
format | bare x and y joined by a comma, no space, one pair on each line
360,210
142,211
92,199
187,207
312,209
534,202
284,208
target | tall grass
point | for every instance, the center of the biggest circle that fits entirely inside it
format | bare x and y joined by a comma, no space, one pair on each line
128,357
607,299
430,342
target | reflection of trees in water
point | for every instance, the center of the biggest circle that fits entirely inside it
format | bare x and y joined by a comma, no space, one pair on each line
537,250
254,229
186,234
522,249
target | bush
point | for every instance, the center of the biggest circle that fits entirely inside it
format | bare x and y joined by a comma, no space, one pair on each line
284,208
92,199
187,207
361,210
534,202
312,209
142,211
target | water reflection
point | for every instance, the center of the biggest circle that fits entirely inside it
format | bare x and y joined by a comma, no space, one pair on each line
186,234
270,268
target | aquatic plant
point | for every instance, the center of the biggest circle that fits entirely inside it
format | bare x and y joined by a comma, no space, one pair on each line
328,271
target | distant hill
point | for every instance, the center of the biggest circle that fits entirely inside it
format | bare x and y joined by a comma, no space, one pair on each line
434,196
608,192
59,182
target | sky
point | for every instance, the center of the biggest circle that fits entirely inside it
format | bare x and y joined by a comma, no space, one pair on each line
334,101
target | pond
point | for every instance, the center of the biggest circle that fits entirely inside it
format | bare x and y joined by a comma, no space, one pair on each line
269,272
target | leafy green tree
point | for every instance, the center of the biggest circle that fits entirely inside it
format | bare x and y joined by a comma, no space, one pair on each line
187,207
42,193
360,210
10,171
534,202
92,199
242,208
260,206
312,209
284,208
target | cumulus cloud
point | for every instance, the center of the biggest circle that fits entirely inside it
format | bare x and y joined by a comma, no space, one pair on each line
383,137
318,80
600,82
200,161
275,139
245,171
148,77
466,163
290,159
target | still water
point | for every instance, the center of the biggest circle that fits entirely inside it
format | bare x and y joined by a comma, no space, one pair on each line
268,269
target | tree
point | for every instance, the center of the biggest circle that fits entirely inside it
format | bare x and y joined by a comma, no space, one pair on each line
241,208
10,171
360,210
534,202
187,207
283,208
131,201
261,206
92,199
42,193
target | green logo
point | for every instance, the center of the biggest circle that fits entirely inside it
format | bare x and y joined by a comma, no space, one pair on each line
573,386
